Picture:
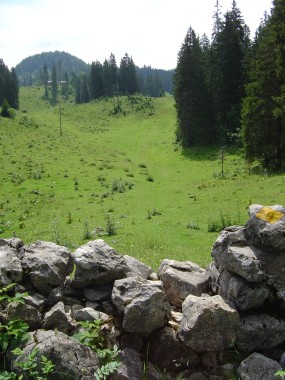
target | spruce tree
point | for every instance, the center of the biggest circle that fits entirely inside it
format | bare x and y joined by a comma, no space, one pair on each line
229,50
96,81
263,115
45,79
54,85
192,101
128,83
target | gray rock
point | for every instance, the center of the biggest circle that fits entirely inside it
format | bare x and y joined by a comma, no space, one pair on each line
14,243
98,293
88,314
229,236
26,313
259,332
36,300
242,294
46,265
56,318
97,264
258,367
208,324
266,226
241,260
181,279
10,266
131,367
273,262
137,268
70,357
143,304
55,296
168,353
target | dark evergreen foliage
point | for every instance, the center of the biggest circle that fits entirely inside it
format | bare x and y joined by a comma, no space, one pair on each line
96,80
192,96
54,85
263,112
209,81
9,87
5,109
127,78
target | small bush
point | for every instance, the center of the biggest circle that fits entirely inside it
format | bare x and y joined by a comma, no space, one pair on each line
110,228
224,220
5,108
118,186
193,226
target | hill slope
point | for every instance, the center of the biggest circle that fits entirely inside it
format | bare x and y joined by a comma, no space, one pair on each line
119,172
29,69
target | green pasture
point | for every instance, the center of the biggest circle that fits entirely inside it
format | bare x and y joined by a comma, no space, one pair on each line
120,173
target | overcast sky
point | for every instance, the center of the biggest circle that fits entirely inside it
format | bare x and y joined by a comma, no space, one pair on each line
151,31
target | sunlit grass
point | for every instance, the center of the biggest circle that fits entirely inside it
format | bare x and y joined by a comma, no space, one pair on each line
162,199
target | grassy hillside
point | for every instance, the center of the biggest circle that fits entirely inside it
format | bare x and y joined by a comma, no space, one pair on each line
119,171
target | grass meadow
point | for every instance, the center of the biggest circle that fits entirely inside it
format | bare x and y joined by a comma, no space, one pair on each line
122,178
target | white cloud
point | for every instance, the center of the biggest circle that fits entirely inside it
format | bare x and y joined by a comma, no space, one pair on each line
152,31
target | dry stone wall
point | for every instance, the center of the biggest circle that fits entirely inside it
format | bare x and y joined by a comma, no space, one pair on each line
214,323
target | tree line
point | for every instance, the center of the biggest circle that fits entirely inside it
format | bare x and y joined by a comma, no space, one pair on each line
109,79
9,86
233,88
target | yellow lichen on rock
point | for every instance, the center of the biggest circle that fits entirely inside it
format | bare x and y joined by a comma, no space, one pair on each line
269,215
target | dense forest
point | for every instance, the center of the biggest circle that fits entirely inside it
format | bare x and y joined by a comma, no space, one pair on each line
9,86
232,89
97,79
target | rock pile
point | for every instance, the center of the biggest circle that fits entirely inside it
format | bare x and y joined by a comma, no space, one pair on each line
203,323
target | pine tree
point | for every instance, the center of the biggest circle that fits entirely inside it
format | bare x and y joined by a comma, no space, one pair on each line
45,77
9,86
5,108
84,90
263,115
96,81
127,76
191,95
14,91
54,85
229,50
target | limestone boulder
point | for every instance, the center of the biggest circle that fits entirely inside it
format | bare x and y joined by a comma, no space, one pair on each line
167,352
70,357
89,314
10,265
241,293
56,318
98,293
258,367
130,368
266,226
208,324
181,279
25,313
259,332
241,260
97,264
142,303
137,268
46,265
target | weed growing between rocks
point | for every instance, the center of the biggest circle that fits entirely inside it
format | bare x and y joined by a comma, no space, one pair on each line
92,337
12,334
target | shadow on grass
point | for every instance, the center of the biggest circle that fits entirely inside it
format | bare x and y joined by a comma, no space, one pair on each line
209,153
